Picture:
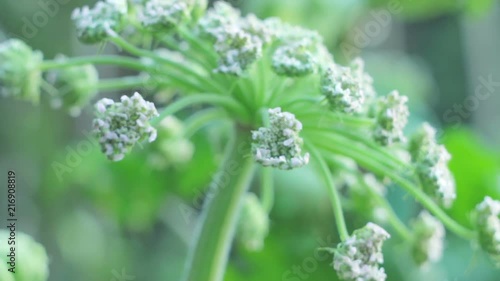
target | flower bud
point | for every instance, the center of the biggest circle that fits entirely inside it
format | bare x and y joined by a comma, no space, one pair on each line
237,50
171,148
76,85
279,145
431,160
92,25
346,88
253,224
429,234
217,19
119,126
359,256
20,75
164,15
293,60
392,117
31,258
487,222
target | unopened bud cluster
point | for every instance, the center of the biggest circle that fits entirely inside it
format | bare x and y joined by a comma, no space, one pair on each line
253,224
431,160
392,117
76,86
279,145
346,88
359,256
487,220
164,15
93,24
120,125
429,235
20,74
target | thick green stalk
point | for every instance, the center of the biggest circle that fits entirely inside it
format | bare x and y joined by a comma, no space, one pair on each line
210,250
110,60
267,189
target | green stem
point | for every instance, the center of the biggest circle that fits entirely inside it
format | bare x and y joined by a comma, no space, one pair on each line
209,254
226,102
201,119
122,83
366,160
112,60
267,189
334,196
392,217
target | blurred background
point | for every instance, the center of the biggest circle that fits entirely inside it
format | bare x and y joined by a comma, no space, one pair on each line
100,220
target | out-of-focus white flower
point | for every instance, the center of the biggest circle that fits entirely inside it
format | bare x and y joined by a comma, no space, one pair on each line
164,15
487,220
253,224
429,234
392,117
431,160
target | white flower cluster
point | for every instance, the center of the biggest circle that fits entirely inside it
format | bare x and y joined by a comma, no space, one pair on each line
239,41
429,234
164,15
392,117
76,86
431,161
294,60
279,145
487,220
118,126
346,88
358,258
92,24
20,75
253,224
237,50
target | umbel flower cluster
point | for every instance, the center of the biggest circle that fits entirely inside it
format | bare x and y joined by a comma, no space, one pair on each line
119,126
289,104
360,255
280,144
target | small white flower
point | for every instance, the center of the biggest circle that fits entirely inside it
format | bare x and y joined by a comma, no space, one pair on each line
164,15
279,145
392,117
358,258
487,220
431,160
429,234
92,25
253,224
120,125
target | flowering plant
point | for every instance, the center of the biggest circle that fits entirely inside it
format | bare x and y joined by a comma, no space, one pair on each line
290,105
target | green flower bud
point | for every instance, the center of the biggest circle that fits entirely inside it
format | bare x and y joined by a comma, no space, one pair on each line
431,160
171,148
487,222
346,88
279,145
164,15
76,86
20,75
31,258
294,60
392,117
359,256
92,25
253,224
237,50
217,19
429,235
119,126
